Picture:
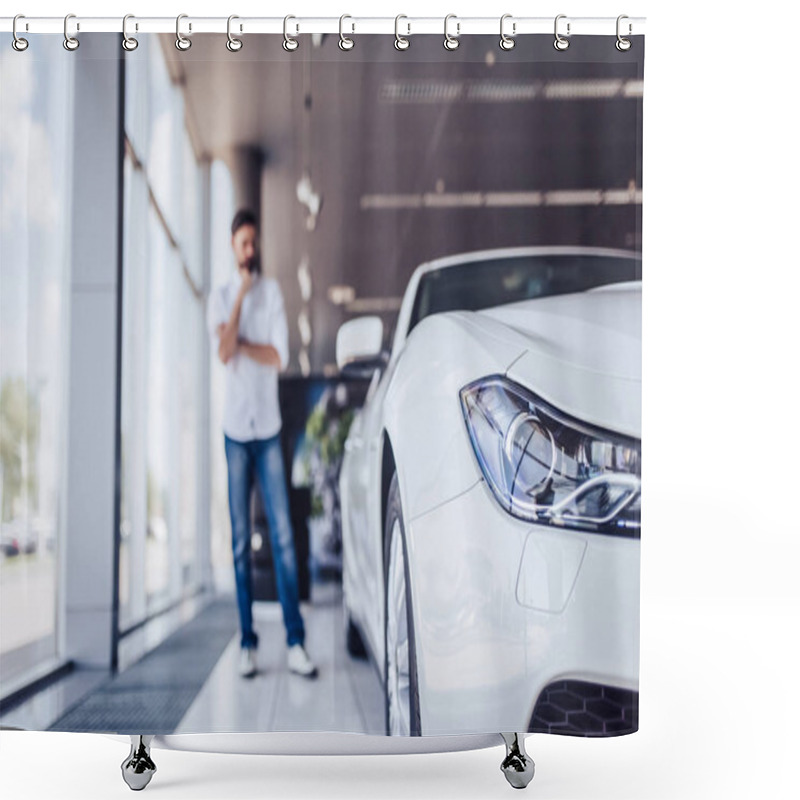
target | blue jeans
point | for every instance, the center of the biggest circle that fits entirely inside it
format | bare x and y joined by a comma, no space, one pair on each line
264,457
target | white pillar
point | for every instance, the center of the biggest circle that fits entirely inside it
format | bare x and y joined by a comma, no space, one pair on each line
92,462
205,573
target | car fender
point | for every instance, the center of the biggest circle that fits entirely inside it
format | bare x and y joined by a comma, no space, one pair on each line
422,408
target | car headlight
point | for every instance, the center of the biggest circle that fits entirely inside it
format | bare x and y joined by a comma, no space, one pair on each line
546,467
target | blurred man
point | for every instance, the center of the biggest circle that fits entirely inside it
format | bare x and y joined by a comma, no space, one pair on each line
247,323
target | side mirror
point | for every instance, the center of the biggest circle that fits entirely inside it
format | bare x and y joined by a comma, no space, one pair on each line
359,346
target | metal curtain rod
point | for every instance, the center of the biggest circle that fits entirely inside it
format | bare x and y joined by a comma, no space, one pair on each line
569,26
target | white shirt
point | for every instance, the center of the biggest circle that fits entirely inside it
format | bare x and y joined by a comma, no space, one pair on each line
251,389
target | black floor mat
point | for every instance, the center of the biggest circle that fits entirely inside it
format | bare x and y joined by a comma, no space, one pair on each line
153,694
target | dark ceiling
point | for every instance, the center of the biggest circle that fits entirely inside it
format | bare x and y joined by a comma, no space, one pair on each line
419,154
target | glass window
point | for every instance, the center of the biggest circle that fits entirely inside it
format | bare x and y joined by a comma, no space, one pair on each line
163,158
137,116
222,265
191,224
187,377
162,346
35,149
159,358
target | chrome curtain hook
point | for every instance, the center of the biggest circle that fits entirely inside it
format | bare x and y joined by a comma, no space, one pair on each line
400,42
181,42
18,43
233,44
451,42
345,43
623,44
290,43
70,42
506,41
128,42
560,43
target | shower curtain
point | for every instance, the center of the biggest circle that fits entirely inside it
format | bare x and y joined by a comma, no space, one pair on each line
320,385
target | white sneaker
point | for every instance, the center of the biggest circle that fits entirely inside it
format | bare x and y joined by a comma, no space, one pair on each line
247,662
299,662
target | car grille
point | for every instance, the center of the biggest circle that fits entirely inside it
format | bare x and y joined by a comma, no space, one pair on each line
580,708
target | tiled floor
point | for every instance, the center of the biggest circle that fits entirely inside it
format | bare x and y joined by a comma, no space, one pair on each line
346,695
38,712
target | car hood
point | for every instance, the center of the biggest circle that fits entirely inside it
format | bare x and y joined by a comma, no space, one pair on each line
582,351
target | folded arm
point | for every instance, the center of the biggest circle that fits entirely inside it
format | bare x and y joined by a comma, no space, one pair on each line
229,333
263,353
275,354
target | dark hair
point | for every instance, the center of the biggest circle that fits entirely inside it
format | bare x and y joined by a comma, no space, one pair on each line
244,216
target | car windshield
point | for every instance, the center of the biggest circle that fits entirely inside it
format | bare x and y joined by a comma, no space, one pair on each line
475,285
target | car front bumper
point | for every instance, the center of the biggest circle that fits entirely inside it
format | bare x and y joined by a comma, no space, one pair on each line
507,613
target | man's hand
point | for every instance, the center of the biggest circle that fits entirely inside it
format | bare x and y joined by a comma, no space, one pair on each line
247,281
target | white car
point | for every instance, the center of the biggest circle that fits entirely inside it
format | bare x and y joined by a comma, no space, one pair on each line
490,494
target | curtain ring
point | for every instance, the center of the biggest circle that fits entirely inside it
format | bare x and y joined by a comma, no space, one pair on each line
70,42
233,44
289,42
18,43
623,44
451,42
506,42
400,42
345,43
561,43
181,42
128,42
